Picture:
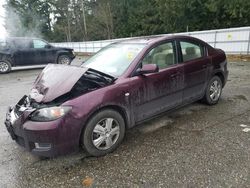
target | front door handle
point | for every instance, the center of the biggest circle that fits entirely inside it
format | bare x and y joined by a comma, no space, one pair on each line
173,75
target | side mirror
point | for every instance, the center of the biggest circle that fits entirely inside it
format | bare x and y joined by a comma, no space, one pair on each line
146,69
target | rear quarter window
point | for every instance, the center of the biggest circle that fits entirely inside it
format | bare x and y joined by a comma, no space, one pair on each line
4,44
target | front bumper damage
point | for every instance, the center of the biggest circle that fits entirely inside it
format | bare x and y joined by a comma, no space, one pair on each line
48,139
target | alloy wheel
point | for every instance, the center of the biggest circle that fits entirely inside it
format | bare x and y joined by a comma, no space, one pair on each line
64,60
105,133
215,90
4,66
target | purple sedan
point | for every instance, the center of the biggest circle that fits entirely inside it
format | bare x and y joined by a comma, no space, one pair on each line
121,86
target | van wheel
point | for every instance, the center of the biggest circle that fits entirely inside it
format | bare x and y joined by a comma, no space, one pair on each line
213,91
5,66
64,59
103,133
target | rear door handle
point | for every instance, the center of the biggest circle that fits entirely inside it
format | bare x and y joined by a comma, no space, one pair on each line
204,66
175,74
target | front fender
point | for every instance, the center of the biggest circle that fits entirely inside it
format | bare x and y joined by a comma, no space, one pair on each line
86,105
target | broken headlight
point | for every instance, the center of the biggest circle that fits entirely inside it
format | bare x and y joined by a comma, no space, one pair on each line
50,114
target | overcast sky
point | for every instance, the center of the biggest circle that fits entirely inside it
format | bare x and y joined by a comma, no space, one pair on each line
2,15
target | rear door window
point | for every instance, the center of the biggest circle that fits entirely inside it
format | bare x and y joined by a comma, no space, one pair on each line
22,44
190,51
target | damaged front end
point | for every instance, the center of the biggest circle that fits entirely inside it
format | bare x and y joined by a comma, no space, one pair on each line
34,122
57,84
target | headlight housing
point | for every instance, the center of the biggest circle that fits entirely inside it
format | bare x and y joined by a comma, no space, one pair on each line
50,114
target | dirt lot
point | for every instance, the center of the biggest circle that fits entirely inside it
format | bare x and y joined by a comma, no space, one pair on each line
195,146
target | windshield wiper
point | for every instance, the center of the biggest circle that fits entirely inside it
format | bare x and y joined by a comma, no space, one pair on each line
103,76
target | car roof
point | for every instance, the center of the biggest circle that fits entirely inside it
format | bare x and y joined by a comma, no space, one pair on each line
21,38
157,38
137,40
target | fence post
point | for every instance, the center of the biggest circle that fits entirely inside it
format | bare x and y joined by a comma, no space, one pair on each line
215,38
248,43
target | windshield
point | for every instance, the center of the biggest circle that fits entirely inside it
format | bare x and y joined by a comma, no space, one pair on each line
114,59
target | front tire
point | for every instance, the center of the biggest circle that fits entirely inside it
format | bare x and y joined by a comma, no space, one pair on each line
64,60
213,91
5,66
103,133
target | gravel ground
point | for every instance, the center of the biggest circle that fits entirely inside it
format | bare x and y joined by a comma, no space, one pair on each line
195,146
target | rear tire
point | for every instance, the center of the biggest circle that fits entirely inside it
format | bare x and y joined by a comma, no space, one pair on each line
64,60
103,133
5,66
213,91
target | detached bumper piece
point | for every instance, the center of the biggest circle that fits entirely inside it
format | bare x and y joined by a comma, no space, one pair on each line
8,124
10,130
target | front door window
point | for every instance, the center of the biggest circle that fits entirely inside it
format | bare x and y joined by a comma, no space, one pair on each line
39,44
162,55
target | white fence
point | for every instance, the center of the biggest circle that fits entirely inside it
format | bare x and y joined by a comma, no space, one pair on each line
232,41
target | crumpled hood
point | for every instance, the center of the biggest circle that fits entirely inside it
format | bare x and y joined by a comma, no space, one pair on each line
54,81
